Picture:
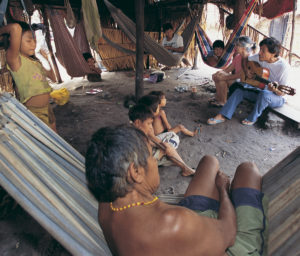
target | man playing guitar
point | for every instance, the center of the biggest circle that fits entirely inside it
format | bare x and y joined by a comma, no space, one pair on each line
270,96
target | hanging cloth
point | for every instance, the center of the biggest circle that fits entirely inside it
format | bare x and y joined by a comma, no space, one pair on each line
80,37
92,23
275,8
70,19
67,51
161,54
205,44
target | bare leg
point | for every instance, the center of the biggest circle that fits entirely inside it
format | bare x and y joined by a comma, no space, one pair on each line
203,182
181,128
177,160
247,176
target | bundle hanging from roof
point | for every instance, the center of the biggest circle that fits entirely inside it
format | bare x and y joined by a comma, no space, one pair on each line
205,44
161,54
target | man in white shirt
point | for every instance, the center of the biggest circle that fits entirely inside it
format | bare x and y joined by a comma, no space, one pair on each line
270,96
173,42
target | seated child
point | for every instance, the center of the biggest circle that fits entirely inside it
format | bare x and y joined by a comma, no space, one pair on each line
213,56
142,118
160,121
95,75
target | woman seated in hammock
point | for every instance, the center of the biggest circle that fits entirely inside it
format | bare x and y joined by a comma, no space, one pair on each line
173,42
213,56
223,79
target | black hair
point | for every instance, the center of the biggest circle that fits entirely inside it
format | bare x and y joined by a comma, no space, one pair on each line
150,101
159,94
218,44
272,44
25,26
139,112
167,26
87,55
110,152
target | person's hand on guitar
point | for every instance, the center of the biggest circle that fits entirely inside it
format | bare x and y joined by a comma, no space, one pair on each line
273,87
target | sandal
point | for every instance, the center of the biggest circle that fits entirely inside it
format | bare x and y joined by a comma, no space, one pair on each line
247,122
213,121
211,99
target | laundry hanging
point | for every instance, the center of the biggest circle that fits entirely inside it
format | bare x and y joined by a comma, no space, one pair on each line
205,44
161,54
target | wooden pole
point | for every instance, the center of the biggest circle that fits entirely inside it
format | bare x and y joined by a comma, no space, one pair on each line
48,41
293,31
139,70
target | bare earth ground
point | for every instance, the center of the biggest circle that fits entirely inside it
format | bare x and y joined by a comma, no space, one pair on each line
231,142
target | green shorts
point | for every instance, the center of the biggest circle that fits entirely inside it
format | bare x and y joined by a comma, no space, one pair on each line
250,205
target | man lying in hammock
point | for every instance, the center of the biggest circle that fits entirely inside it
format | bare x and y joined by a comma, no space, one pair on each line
173,42
123,176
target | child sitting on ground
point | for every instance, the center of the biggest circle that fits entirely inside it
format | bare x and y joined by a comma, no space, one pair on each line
160,121
141,117
32,87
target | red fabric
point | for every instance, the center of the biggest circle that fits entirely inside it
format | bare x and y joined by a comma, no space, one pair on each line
67,51
80,37
275,8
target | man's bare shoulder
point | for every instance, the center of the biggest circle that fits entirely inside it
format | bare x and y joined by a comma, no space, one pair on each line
179,217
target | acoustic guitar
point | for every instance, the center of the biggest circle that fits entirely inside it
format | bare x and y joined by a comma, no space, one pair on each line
259,78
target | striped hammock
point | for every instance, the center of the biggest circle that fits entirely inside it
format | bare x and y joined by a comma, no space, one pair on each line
205,44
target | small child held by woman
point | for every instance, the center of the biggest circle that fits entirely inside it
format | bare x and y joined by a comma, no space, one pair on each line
160,121
32,87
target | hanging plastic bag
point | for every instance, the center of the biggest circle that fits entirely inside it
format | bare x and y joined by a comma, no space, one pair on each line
60,96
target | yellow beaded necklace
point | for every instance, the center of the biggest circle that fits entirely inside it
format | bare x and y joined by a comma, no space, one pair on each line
132,205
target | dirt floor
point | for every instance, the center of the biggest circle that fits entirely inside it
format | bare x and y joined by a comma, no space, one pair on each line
265,143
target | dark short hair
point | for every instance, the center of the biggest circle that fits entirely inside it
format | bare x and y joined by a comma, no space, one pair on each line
150,101
167,26
140,112
109,154
25,26
218,44
87,55
159,94
272,44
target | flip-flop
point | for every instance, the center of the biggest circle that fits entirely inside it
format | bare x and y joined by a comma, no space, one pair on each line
94,91
247,122
211,99
213,121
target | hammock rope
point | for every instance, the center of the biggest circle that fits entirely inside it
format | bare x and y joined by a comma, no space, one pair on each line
205,44
161,54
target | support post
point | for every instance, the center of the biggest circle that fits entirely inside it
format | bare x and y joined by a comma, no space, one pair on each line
48,41
293,31
139,69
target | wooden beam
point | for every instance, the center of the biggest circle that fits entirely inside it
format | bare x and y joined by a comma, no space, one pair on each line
293,31
139,70
48,41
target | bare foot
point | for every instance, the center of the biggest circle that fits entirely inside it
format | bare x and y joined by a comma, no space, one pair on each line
187,172
197,130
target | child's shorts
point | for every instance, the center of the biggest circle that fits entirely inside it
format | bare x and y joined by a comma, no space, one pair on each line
44,113
171,138
250,205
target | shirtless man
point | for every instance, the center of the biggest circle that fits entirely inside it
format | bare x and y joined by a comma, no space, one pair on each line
122,174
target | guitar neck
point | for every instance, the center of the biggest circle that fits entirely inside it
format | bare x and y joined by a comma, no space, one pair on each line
262,80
